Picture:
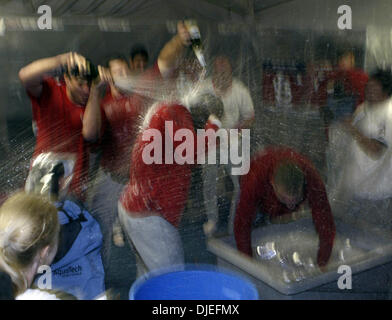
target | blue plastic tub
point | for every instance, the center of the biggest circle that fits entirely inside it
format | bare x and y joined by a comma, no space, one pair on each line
193,283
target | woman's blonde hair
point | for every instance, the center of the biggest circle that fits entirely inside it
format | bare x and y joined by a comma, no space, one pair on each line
28,223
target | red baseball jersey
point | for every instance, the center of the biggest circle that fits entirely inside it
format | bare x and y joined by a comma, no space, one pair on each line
162,188
121,119
59,129
257,193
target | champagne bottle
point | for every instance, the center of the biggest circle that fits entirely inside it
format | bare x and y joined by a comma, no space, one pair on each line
196,44
92,70
89,74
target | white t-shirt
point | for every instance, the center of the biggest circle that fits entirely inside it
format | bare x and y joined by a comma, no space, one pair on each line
38,294
237,107
237,103
368,178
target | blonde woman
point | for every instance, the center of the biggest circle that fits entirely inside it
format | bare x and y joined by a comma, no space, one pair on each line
77,267
29,234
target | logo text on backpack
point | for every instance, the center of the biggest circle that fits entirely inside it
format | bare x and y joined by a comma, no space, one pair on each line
69,272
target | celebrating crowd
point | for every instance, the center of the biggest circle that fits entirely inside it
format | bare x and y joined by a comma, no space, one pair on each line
89,182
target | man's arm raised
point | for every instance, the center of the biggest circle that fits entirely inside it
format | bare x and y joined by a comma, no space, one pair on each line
172,53
33,74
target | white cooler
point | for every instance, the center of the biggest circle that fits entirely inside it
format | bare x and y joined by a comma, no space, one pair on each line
284,264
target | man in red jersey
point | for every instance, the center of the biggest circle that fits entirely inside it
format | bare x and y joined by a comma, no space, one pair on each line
279,181
114,119
151,204
347,84
58,109
145,89
118,120
354,79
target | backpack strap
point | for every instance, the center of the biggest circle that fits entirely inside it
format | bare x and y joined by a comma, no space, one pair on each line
61,209
68,232
80,218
